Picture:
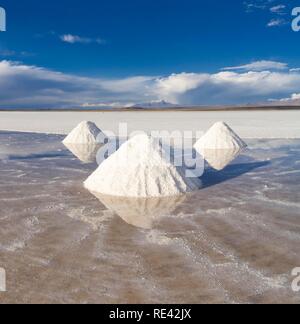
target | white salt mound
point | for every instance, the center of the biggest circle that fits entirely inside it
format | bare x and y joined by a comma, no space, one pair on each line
85,133
220,136
140,169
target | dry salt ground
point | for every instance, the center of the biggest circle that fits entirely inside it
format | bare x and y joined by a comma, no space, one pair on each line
248,124
234,241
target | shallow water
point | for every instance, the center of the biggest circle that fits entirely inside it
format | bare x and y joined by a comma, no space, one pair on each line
234,241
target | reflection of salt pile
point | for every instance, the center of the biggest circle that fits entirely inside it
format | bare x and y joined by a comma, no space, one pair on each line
220,145
140,169
219,159
85,133
86,153
140,212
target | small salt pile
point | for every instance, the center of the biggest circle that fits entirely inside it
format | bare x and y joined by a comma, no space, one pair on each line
85,133
220,145
220,136
140,169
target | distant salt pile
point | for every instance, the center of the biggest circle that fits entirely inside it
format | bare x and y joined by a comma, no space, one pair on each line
220,136
140,169
220,145
85,133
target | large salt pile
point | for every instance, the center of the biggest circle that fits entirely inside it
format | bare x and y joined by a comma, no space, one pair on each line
140,169
85,133
220,145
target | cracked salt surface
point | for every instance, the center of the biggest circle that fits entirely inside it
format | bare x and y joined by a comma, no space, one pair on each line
236,240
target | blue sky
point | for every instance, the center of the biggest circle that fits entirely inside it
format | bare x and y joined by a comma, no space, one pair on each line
75,53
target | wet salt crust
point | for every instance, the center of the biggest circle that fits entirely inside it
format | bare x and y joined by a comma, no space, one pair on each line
234,241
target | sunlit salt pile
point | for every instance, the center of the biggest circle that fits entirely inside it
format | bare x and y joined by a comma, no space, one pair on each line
220,136
220,145
140,169
85,133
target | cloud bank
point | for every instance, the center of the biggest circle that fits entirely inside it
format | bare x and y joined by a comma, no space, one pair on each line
24,86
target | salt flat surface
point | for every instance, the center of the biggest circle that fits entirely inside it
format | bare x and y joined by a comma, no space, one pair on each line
236,240
248,124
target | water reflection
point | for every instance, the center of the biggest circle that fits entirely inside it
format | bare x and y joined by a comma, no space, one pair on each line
86,153
220,158
141,212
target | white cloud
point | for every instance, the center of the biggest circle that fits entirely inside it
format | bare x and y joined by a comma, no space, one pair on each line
295,70
277,22
11,53
73,39
258,5
259,66
226,87
293,97
279,9
272,8
175,85
26,86
30,86
252,6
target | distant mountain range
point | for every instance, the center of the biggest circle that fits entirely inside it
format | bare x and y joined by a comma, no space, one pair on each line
291,103
167,105
155,105
164,105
